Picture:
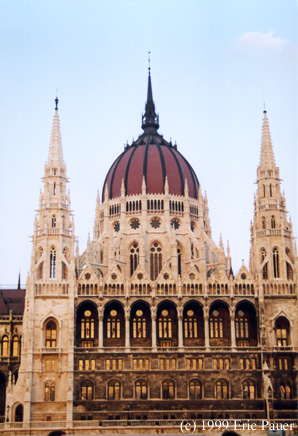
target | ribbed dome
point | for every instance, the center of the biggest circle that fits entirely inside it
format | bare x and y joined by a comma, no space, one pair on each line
152,157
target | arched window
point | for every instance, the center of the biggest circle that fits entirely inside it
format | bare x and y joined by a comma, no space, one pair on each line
190,324
141,390
263,223
51,334
216,325
276,262
265,271
49,391
263,254
264,191
86,392
273,222
15,346
249,390
179,261
270,190
222,390
134,258
54,189
5,346
168,389
155,260
54,221
165,330
282,328
87,326
241,322
195,390
113,325
285,391
289,271
114,390
139,329
53,263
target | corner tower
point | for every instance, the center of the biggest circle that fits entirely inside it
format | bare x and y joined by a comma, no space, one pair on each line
273,256
44,386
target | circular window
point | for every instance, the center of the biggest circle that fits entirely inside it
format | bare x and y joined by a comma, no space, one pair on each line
175,223
191,276
140,276
113,312
190,313
155,223
164,313
114,276
117,227
87,313
166,276
243,276
215,313
135,224
87,276
139,312
240,313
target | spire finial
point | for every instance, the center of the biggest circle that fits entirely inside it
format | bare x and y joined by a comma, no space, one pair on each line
56,102
150,120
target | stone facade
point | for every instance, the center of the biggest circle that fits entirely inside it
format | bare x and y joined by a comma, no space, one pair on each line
149,322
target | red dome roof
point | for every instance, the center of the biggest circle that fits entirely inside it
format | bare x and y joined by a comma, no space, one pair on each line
153,157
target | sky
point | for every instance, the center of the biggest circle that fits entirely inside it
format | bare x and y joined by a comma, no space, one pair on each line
214,65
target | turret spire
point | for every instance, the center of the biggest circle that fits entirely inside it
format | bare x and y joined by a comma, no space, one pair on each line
267,155
150,120
55,151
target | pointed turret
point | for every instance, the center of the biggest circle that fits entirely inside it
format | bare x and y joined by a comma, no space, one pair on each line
267,155
55,157
150,120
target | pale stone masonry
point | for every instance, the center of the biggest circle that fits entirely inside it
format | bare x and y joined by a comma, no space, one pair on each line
149,322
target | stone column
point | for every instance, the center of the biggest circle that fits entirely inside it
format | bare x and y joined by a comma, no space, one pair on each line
153,332
100,331
233,337
206,328
180,332
127,332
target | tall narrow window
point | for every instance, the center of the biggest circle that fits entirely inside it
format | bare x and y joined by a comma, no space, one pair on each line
216,325
87,325
15,346
134,258
289,271
139,325
264,191
179,261
222,390
249,390
190,325
113,325
265,271
155,260
263,254
54,189
49,391
195,390
276,262
273,222
282,332
141,390
114,391
54,221
164,325
52,264
263,223
5,346
51,334
168,390
270,190
87,390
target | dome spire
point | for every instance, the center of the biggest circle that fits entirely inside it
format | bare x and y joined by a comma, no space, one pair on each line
150,120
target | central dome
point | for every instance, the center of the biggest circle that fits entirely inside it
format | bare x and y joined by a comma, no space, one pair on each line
150,158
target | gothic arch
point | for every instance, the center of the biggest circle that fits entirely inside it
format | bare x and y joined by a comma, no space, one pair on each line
114,324
167,328
140,324
86,324
193,324
219,323
246,324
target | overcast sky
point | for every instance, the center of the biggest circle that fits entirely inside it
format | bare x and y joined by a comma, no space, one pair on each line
214,64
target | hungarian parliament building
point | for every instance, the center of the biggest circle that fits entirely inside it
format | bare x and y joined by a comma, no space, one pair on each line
150,325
